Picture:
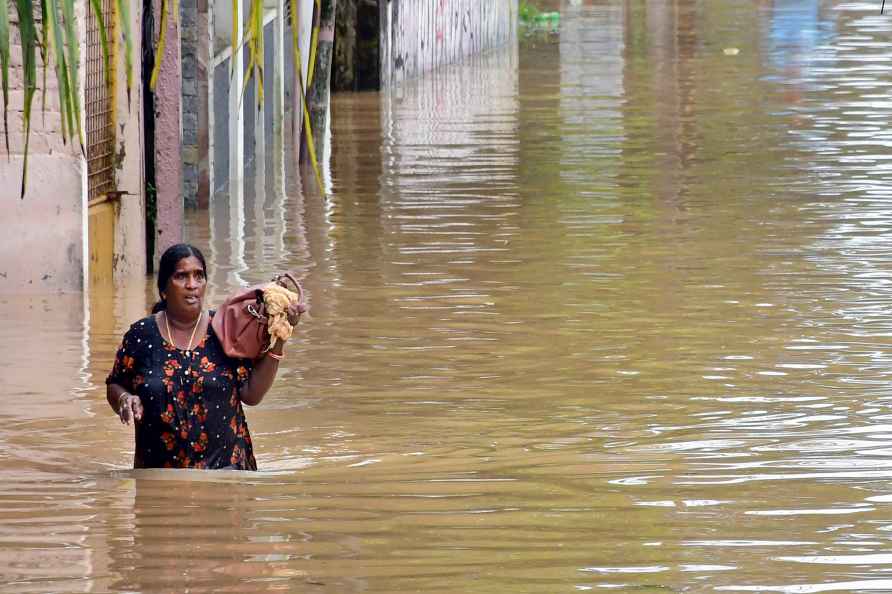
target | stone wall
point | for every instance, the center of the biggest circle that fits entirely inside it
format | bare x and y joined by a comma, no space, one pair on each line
189,38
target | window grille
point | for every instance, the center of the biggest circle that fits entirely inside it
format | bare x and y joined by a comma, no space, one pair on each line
100,104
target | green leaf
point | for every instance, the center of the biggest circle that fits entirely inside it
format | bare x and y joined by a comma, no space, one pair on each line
295,43
314,41
257,49
73,45
308,128
253,38
298,69
4,66
44,59
235,42
28,34
162,39
57,54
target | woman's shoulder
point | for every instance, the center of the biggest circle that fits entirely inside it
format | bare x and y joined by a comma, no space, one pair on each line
148,321
142,327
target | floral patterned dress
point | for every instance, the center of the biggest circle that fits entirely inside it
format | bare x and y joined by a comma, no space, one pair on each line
192,413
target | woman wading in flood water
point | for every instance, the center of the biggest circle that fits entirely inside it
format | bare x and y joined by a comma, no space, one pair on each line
172,378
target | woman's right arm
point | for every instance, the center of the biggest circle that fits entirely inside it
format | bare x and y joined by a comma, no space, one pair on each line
118,383
126,405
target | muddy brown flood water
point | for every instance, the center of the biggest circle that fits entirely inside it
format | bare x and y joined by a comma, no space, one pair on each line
607,311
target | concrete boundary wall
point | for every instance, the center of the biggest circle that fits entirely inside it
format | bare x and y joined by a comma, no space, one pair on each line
420,35
42,236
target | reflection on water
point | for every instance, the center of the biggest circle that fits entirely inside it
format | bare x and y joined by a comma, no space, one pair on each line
607,311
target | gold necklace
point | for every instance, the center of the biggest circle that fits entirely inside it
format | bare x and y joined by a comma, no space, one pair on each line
191,336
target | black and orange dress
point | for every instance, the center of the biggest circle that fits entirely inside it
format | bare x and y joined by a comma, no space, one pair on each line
192,412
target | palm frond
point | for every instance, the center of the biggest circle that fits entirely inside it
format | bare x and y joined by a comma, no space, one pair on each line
28,34
256,47
44,59
236,18
4,67
73,65
311,73
162,40
253,39
55,49
298,67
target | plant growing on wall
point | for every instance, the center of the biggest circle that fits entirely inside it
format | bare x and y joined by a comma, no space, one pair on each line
50,28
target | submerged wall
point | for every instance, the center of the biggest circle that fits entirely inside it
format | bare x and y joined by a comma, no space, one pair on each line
45,236
420,35
42,242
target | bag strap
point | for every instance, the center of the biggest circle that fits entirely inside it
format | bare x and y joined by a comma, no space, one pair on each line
280,280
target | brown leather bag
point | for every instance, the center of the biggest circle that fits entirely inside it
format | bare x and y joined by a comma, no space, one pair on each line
241,322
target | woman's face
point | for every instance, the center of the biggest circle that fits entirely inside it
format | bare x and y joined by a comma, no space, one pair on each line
185,288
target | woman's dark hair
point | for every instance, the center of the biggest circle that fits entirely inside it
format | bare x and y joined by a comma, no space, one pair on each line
168,265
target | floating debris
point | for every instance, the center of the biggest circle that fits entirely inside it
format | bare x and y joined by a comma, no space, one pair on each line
547,18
